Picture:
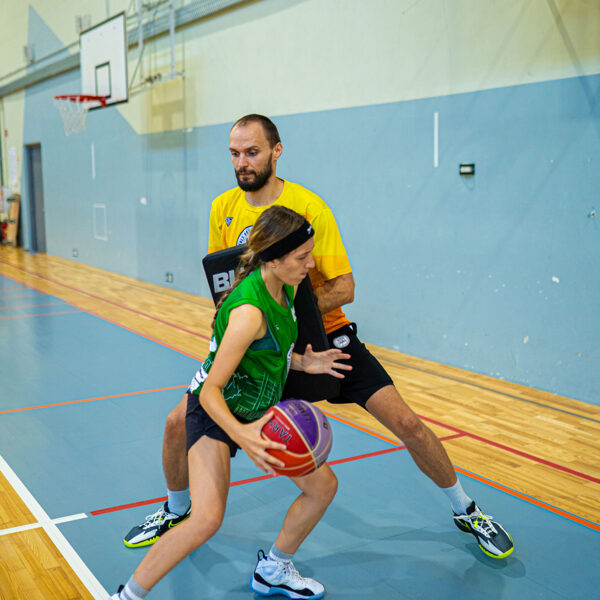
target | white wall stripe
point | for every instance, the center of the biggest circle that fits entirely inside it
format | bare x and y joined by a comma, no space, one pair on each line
79,567
435,139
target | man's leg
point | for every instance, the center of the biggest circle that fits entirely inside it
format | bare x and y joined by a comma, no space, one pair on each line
175,467
388,407
174,455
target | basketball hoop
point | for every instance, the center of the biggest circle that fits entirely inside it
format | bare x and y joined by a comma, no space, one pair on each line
74,107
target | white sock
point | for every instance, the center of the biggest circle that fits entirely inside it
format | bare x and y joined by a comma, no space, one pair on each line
460,501
178,502
133,591
276,554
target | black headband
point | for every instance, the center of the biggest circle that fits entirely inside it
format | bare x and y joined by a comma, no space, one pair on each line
290,242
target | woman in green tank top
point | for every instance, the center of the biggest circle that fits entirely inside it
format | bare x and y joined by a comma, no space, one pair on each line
243,375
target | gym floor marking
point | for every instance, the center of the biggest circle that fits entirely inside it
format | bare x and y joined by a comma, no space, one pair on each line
465,433
487,389
530,499
50,526
63,546
49,314
460,432
520,453
111,302
18,306
104,318
397,363
164,389
44,521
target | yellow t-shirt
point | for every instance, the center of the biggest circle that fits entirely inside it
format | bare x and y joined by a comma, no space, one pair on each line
231,219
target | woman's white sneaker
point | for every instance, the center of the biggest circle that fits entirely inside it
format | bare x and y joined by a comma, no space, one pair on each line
281,577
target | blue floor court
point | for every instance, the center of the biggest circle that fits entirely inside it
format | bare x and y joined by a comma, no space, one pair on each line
388,534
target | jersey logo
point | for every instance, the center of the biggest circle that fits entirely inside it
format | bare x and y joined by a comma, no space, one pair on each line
244,236
341,341
228,221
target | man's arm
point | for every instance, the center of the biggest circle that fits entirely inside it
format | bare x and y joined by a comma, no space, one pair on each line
335,293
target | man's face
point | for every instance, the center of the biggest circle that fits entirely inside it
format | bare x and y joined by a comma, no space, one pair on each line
252,157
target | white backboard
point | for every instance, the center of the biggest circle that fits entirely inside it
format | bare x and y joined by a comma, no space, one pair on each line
103,52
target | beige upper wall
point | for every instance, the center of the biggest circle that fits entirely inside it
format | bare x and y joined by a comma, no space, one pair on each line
59,17
293,56
328,54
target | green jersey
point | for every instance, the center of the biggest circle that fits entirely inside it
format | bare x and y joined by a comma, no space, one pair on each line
257,383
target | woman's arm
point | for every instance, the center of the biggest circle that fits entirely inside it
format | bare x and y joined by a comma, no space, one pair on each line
246,324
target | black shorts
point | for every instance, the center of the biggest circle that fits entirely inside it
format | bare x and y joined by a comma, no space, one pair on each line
367,375
198,423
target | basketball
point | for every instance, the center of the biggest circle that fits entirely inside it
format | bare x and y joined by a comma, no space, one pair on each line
305,431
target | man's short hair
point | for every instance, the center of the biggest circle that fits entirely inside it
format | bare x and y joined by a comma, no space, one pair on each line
268,126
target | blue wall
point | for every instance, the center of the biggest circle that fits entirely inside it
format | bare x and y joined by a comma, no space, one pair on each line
498,274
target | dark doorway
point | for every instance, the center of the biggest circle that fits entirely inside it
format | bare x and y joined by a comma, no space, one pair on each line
35,191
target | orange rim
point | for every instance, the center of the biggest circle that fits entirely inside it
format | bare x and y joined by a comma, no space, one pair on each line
82,98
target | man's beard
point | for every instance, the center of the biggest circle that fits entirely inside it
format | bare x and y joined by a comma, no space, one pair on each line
259,181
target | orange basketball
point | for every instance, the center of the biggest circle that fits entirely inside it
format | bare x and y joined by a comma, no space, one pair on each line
305,431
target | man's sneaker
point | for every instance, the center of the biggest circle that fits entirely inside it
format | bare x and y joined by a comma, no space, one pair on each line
153,527
273,577
492,538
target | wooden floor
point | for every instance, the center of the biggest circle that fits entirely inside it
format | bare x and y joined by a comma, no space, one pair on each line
525,441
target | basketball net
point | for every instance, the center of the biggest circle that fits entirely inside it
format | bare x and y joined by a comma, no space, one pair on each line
73,109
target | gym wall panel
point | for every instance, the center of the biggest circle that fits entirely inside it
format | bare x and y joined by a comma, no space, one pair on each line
47,26
301,56
496,273
483,273
12,136
59,15
13,35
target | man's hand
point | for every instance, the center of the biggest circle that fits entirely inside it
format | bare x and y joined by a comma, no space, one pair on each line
324,362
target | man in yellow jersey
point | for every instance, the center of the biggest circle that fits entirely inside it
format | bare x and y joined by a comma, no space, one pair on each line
255,148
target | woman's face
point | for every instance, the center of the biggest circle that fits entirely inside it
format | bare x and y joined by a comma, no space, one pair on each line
294,266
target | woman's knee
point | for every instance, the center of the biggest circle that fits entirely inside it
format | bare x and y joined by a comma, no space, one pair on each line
204,526
331,487
327,486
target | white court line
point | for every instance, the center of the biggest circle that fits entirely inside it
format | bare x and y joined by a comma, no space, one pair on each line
79,567
42,524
